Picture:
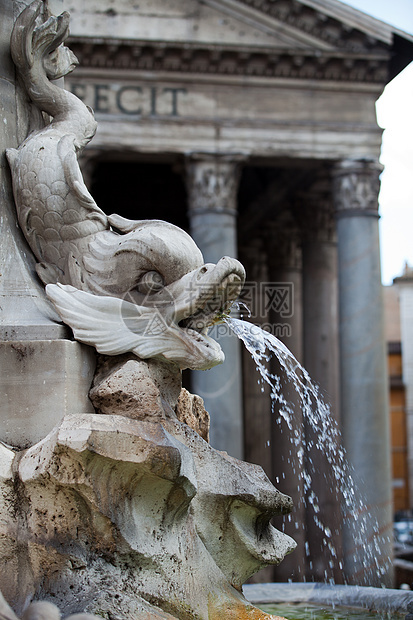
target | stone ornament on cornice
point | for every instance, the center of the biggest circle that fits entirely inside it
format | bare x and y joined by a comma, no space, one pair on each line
220,60
317,24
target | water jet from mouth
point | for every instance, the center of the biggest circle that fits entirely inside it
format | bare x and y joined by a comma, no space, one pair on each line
316,414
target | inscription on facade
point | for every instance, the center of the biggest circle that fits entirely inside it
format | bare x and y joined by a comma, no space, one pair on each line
132,99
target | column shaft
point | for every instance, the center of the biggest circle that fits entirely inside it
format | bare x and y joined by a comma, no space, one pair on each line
212,183
285,272
364,397
321,360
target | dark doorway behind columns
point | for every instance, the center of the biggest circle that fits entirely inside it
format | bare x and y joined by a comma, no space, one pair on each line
141,190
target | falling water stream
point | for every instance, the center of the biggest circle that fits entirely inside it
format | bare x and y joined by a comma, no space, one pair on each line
325,439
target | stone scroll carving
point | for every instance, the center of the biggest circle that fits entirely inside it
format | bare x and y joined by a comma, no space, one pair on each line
126,512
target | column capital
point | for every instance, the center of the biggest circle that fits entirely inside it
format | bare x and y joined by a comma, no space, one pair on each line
212,182
356,186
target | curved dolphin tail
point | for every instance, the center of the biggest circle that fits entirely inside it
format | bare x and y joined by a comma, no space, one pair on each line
55,210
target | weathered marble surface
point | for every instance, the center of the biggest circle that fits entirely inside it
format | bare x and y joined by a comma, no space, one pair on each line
127,516
39,610
127,512
42,381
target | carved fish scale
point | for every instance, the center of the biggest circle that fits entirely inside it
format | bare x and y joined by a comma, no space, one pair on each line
55,210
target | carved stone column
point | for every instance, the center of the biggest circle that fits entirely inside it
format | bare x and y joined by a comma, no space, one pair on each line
321,359
364,399
320,290
285,266
212,183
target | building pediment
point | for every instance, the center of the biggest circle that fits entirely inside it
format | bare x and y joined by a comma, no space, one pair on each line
316,39
189,21
264,77
284,24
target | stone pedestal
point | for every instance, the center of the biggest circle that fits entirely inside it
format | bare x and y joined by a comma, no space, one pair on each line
41,381
212,183
364,398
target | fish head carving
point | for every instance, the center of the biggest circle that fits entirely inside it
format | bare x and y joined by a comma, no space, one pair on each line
148,291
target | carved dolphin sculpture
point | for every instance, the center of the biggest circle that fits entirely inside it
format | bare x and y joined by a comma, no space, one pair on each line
121,285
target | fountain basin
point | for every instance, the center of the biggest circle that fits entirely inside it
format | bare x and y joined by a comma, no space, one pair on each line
382,600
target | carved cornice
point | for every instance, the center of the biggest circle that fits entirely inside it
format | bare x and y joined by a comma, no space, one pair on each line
317,24
356,186
221,60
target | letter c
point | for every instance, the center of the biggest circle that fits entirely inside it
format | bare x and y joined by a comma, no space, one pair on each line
119,103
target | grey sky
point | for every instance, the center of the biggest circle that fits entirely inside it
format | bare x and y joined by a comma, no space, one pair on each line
395,115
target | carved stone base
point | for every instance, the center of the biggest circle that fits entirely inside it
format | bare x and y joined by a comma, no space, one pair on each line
130,513
123,517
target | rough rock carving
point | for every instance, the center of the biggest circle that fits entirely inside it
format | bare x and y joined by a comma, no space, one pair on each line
127,512
40,610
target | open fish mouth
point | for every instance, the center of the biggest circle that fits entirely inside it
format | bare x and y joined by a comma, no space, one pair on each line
216,307
212,291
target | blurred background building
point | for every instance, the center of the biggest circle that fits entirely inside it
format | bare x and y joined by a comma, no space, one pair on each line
251,124
397,391
398,301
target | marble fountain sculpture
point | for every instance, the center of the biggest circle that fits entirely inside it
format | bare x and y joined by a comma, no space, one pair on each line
127,512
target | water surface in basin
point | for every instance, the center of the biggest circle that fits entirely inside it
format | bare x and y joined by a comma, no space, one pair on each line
304,611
